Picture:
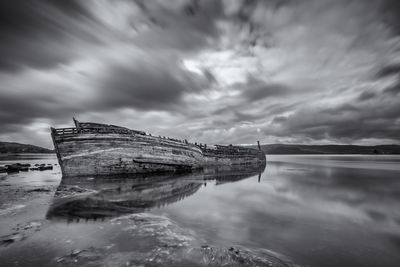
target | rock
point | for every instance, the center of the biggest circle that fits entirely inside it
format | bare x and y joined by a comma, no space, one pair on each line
12,168
25,165
3,169
76,252
16,167
39,190
9,239
44,168
34,225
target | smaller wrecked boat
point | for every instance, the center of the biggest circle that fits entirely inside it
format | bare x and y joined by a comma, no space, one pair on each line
101,149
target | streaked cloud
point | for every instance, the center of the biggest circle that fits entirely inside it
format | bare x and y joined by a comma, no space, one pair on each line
210,71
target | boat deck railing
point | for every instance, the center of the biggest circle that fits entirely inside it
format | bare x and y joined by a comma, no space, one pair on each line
105,130
72,131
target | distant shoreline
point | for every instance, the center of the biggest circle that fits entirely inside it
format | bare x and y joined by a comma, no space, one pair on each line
269,149
283,149
12,148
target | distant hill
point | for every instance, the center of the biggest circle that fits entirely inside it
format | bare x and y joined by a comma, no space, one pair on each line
7,147
329,149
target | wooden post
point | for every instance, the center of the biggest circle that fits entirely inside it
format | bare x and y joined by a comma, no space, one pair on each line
258,143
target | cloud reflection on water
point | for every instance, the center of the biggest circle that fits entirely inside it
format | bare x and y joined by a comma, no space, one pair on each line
318,214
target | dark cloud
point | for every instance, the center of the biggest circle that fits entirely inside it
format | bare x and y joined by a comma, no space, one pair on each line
390,10
186,27
342,109
279,119
366,96
148,86
393,90
19,110
37,33
343,123
209,76
255,89
389,70
245,117
245,12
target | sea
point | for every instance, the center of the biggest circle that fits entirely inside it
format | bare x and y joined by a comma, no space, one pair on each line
300,210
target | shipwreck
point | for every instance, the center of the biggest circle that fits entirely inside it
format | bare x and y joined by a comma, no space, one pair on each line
91,149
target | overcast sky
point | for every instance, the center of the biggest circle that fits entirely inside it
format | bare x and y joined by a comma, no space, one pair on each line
279,71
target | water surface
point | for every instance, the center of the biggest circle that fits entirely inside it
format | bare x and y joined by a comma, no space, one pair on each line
319,210
312,210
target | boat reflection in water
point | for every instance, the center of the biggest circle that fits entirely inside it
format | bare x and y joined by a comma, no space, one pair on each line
96,198
136,237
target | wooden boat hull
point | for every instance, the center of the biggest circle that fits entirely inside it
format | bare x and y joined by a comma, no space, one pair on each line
98,149
233,156
104,154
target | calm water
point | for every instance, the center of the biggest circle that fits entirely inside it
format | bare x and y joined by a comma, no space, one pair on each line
313,210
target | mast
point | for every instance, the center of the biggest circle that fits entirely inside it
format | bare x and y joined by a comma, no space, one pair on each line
76,122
